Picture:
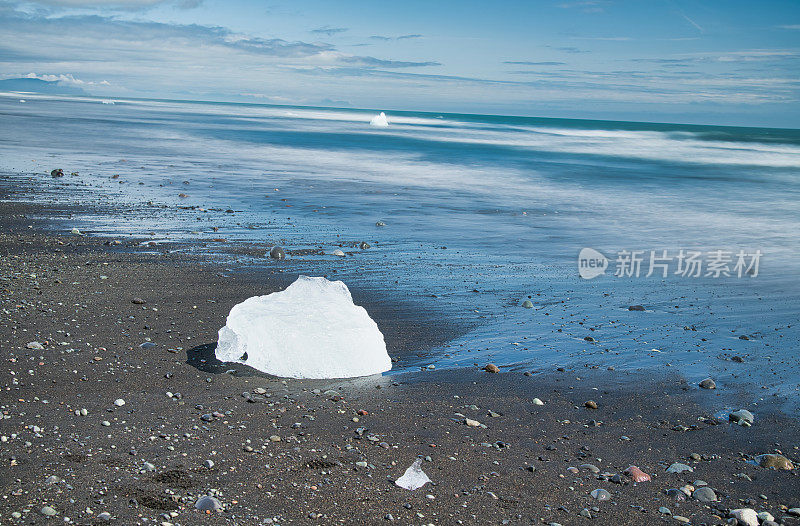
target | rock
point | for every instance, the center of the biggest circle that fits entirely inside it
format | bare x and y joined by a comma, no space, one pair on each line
209,464
119,402
601,494
536,401
794,512
105,516
773,461
589,339
708,383
147,466
364,245
52,479
590,467
274,438
676,494
590,404
743,417
58,172
528,304
35,346
681,518
105,423
765,516
491,368
664,511
277,253
49,511
472,423
636,474
636,308
75,232
745,516
338,252
677,467
380,223
704,494
208,503
138,301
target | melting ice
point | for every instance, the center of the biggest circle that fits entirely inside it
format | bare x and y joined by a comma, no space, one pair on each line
310,330
379,120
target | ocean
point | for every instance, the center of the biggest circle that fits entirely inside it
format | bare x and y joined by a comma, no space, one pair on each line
700,225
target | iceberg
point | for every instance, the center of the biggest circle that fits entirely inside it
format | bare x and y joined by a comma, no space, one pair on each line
414,477
310,330
379,120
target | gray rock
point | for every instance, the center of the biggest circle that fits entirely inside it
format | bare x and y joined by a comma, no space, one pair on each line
364,245
636,308
664,511
590,467
105,516
601,494
35,346
704,494
209,464
528,304
147,466
208,503
708,383
743,417
677,467
338,252
49,511
277,253
745,516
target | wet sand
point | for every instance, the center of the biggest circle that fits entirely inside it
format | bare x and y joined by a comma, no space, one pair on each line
291,451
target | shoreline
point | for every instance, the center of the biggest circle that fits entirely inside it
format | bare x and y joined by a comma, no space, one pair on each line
90,333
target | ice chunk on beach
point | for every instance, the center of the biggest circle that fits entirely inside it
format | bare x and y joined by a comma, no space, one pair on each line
414,477
379,121
310,330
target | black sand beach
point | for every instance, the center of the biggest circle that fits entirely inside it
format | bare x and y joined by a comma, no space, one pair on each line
326,452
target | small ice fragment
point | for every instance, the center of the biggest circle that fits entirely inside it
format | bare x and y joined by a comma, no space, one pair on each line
310,330
76,232
414,477
379,120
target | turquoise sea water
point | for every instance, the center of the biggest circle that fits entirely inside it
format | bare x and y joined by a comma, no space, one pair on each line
480,212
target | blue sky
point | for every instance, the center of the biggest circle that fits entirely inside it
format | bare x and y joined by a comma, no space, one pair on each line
726,62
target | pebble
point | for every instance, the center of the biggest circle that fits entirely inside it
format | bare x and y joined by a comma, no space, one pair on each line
765,516
138,301
491,368
364,245
277,253
774,461
636,308
49,511
590,404
743,417
677,467
708,383
35,345
119,402
147,466
704,494
208,503
601,494
209,464
105,423
664,511
339,253
681,518
528,304
105,516
745,516
794,512
591,467
636,474
274,438
472,423
536,401
380,223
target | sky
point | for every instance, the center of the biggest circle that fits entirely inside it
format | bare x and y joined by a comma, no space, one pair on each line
706,62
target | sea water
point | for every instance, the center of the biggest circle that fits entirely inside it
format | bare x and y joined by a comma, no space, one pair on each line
481,213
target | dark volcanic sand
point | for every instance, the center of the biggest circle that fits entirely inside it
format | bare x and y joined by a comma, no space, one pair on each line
53,293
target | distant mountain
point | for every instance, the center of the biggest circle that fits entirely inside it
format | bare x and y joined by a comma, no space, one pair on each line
54,87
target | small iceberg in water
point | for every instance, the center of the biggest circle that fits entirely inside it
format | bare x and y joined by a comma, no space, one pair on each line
310,330
379,120
107,102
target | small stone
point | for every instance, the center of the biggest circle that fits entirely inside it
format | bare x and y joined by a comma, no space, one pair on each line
491,368
147,466
664,511
590,404
743,417
704,494
589,339
774,461
472,423
138,301
277,253
765,516
364,245
209,464
745,516
35,346
590,467
528,304
794,512
639,308
105,423
601,494
274,438
380,223
338,252
681,518
49,511
105,516
677,467
636,474
119,402
708,383
208,503
52,479
536,401
58,172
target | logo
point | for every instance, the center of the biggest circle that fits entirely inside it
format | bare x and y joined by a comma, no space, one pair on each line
591,263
